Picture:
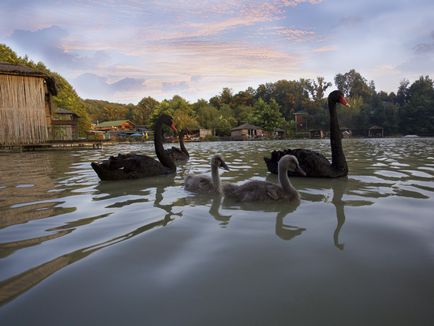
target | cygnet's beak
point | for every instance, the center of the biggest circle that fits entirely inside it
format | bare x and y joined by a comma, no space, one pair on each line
224,166
301,171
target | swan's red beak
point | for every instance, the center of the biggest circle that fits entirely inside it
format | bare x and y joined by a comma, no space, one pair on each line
173,127
343,101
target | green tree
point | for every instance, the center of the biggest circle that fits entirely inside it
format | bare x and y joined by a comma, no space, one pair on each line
181,111
417,114
352,84
266,115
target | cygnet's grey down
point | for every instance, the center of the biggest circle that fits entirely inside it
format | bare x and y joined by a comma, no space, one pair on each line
205,184
263,190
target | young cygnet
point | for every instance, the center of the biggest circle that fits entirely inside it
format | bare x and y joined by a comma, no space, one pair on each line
203,183
263,190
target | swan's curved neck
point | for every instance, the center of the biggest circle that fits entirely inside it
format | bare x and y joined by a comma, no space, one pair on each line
287,186
181,143
338,157
216,178
159,148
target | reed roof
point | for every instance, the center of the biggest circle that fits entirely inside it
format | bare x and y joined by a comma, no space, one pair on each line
18,70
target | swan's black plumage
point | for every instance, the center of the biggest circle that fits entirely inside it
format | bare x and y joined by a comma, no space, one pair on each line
135,166
179,155
314,163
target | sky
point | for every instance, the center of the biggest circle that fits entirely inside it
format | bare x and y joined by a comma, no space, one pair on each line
122,51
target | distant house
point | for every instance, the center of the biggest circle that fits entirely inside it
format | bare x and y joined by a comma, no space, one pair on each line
117,125
64,125
300,121
279,133
246,131
203,133
317,133
346,132
376,132
25,105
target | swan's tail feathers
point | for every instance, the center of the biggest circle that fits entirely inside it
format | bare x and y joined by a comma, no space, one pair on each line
272,162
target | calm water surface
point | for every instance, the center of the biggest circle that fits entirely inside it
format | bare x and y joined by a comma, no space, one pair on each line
354,251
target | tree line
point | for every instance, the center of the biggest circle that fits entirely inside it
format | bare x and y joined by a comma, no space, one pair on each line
271,105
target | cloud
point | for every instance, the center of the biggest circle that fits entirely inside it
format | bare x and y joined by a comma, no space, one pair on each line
174,86
329,48
425,47
90,85
46,44
292,34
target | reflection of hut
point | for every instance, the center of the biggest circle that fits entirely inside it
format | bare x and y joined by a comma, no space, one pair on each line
25,105
376,131
64,125
246,131
317,133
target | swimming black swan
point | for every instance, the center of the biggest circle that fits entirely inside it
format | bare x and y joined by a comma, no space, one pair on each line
176,154
263,190
134,166
313,163
205,184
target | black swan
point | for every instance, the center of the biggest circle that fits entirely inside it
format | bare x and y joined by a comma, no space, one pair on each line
134,166
314,163
176,154
263,190
205,184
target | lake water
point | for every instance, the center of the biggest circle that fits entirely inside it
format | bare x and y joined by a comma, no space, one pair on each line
354,251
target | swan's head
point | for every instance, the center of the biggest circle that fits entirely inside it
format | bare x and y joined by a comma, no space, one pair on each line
290,163
338,97
167,120
218,161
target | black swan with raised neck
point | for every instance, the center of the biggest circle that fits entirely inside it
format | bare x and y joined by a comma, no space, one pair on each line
179,155
313,163
135,166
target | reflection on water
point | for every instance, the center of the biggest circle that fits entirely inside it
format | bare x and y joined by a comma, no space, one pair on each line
54,212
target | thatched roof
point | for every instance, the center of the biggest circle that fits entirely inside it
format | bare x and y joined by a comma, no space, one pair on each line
18,70
65,111
246,126
375,127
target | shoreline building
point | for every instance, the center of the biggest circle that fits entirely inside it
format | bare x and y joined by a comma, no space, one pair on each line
26,105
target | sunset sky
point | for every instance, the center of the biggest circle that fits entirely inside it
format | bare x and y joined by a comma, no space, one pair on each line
125,50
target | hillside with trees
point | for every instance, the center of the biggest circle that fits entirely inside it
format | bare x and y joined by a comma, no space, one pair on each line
271,105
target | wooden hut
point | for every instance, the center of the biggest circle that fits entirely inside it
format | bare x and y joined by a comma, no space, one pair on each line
376,132
25,105
346,132
64,125
246,131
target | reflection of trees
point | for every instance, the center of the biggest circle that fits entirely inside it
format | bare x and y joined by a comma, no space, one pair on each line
27,181
18,284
